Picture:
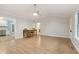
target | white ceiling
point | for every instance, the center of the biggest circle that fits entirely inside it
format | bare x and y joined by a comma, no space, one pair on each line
25,10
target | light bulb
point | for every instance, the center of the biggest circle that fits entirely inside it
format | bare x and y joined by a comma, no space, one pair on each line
35,14
1,17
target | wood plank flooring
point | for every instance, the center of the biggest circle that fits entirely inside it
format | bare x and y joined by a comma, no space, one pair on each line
36,45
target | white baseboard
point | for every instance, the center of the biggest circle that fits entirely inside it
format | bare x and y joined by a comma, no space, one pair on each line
18,37
55,36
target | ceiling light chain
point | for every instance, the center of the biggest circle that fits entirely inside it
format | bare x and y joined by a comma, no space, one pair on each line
35,7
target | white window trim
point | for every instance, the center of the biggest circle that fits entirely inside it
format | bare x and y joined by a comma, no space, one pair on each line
76,22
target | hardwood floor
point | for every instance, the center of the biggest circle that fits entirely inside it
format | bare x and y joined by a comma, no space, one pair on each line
36,45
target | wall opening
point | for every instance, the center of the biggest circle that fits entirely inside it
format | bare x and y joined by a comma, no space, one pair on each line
7,26
36,25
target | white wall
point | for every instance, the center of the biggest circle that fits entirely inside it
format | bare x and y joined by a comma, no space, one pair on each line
20,25
55,26
9,22
72,26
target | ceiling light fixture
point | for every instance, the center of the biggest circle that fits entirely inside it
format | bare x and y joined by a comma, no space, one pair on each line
36,12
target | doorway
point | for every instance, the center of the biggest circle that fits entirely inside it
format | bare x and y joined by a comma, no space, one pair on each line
38,28
36,25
